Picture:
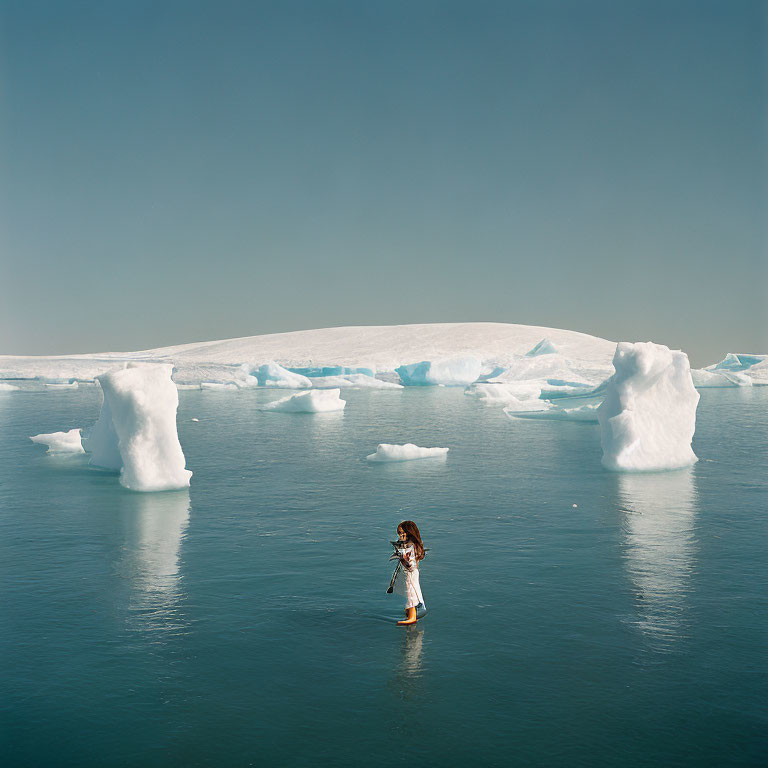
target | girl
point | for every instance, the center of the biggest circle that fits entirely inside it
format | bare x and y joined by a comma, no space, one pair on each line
411,551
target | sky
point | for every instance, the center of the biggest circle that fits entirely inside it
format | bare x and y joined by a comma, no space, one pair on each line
174,172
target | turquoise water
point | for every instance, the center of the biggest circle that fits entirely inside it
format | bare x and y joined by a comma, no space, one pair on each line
245,622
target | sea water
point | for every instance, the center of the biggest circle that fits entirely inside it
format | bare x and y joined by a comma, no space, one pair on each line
577,617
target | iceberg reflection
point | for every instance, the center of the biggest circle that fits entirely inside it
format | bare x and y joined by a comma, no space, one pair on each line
659,547
155,525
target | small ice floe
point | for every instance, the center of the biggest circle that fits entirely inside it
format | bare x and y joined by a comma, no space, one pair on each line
311,401
193,419
218,386
587,413
7,388
61,442
188,386
407,452
60,385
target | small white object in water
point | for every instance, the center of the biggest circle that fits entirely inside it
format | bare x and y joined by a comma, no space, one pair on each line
388,452
61,442
575,506
195,419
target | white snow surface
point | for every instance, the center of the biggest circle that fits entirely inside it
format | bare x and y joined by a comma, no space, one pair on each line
142,402
311,401
61,442
648,416
379,348
407,452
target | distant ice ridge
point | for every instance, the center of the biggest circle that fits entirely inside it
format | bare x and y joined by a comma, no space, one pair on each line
542,373
61,442
311,401
648,416
455,372
407,452
735,370
140,403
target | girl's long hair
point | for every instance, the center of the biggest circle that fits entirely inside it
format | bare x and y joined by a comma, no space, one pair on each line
412,532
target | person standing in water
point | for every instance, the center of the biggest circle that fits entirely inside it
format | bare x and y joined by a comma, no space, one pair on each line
410,553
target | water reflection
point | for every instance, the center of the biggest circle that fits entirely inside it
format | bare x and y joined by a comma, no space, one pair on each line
155,524
409,669
659,514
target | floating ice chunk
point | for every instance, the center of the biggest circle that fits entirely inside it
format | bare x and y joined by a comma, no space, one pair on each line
312,401
407,452
506,393
356,380
189,386
710,378
586,413
456,372
61,442
544,347
142,403
60,385
219,386
7,388
273,375
648,417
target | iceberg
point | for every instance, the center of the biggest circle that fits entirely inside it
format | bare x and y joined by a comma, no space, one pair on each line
61,442
60,385
312,401
703,378
140,403
648,417
456,372
407,452
273,375
499,393
734,370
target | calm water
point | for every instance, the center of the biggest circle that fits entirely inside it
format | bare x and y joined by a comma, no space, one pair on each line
245,622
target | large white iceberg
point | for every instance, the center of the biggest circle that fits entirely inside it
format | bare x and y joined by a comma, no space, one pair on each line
456,372
141,403
648,416
407,452
61,442
311,401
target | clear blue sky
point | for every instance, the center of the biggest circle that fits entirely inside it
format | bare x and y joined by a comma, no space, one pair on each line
182,171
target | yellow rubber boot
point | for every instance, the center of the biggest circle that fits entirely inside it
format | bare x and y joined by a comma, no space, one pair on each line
411,617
